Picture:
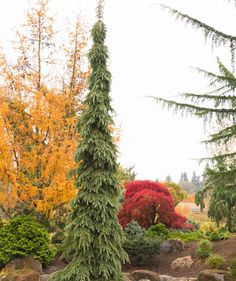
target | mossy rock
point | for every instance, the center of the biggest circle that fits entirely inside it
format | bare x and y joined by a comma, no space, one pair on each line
215,275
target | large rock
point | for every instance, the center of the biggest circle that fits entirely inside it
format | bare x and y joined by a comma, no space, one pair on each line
182,263
214,275
20,275
24,263
171,246
138,275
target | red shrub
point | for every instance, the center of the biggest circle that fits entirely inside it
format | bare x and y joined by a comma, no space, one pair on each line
150,203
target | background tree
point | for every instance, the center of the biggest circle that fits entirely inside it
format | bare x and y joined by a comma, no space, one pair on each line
196,181
94,237
177,193
168,178
186,184
38,116
217,107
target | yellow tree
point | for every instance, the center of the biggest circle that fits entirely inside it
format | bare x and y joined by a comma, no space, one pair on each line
176,191
40,107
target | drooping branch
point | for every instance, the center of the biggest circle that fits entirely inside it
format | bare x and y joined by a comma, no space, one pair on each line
215,36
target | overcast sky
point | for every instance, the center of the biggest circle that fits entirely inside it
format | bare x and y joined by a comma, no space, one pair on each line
150,54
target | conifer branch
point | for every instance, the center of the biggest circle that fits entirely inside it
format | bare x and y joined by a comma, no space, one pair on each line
218,79
215,36
194,109
223,135
208,97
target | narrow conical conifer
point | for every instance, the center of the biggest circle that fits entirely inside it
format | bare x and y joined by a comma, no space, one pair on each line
94,236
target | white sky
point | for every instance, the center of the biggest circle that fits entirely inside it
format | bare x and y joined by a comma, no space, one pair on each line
150,54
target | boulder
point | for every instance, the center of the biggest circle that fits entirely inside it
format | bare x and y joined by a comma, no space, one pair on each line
138,275
24,263
20,275
171,246
181,263
214,275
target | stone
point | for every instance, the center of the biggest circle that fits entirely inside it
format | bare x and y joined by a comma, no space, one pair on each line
128,277
24,263
20,275
171,246
181,263
138,275
214,275
170,278
45,277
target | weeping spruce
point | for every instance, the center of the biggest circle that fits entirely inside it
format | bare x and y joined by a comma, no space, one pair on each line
94,237
217,107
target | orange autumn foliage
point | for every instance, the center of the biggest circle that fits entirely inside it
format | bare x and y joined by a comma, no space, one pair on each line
40,98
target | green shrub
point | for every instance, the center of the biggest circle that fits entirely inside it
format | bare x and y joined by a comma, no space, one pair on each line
232,267
140,248
215,262
204,249
133,229
159,230
23,237
213,232
187,236
220,234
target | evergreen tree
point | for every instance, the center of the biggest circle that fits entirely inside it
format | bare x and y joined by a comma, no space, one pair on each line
218,107
94,237
218,182
183,177
195,180
168,178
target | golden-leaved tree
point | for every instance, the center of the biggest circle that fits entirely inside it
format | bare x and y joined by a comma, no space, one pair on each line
40,93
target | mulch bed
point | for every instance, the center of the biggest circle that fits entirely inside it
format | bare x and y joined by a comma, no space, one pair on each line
225,248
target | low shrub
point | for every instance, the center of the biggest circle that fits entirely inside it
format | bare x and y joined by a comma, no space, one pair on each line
215,262
208,227
159,230
232,267
204,249
140,248
23,237
213,232
133,229
187,236
218,235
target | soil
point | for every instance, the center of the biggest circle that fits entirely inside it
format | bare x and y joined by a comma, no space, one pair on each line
225,248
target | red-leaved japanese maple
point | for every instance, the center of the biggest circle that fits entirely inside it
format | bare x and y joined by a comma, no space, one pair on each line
150,203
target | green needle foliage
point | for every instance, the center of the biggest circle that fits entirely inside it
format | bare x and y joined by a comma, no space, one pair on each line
94,237
217,107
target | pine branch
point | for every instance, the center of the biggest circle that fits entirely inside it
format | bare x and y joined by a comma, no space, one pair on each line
221,156
215,36
218,79
194,109
208,97
223,136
